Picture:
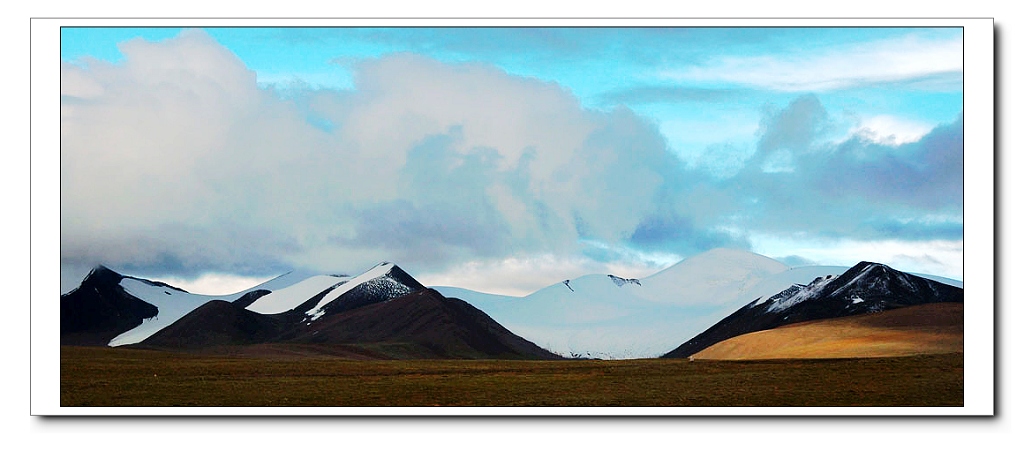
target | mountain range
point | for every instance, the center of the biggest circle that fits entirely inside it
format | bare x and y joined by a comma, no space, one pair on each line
385,312
382,313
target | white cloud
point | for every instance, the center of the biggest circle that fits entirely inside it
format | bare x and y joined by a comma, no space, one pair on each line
890,130
936,257
215,284
176,159
906,59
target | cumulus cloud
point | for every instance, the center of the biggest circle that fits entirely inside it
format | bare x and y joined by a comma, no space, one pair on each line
854,188
177,160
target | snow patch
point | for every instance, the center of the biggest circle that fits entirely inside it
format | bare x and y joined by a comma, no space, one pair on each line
792,297
171,305
292,296
775,285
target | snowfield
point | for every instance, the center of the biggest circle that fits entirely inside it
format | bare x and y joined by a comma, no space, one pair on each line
600,318
172,304
285,299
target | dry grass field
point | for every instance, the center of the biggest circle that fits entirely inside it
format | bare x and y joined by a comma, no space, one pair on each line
133,377
923,329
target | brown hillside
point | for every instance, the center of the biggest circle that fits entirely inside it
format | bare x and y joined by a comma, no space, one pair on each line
923,329
215,323
422,324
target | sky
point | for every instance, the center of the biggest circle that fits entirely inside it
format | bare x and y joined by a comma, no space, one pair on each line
505,159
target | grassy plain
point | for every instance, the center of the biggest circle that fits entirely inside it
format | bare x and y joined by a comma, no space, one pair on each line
133,377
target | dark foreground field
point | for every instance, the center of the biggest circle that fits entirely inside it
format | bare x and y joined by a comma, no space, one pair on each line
131,377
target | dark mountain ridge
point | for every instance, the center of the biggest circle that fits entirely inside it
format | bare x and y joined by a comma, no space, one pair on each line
100,309
865,288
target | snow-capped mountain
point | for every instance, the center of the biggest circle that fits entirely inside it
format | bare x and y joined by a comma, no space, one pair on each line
145,307
599,315
607,316
865,288
603,316
382,313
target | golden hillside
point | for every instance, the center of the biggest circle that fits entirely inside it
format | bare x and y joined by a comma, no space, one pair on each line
923,329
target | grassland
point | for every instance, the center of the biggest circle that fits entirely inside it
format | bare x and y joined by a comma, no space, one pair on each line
132,377
922,329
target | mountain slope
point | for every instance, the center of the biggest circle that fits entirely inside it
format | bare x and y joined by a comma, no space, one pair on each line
289,297
100,309
605,316
936,328
216,323
715,276
866,287
439,327
172,303
383,282
422,324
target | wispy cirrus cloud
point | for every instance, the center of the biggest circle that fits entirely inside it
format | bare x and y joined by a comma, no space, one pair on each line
934,63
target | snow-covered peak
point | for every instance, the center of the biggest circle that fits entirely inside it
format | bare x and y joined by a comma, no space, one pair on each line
851,287
798,293
379,280
715,276
615,317
721,257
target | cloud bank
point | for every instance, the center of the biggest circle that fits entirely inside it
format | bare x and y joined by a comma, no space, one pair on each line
177,162
176,159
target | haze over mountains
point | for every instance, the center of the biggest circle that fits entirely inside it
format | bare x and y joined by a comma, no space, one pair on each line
385,313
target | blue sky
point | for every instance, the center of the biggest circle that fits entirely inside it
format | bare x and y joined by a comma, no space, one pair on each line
503,159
